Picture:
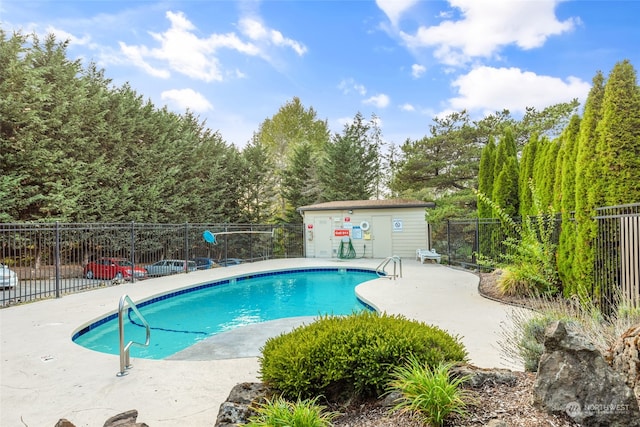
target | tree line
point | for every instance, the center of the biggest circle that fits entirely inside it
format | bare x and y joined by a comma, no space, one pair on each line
76,148
594,162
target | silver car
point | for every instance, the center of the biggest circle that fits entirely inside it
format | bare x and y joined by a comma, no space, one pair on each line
170,266
8,277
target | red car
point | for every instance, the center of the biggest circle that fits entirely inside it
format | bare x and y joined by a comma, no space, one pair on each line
113,268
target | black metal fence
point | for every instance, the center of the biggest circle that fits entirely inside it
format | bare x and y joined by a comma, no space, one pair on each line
53,259
473,243
617,249
617,254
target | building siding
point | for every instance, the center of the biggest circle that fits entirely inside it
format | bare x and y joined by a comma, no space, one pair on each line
406,235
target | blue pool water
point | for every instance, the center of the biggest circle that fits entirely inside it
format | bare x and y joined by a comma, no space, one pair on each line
181,319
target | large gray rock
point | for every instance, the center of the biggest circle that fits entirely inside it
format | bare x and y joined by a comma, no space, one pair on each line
574,378
478,377
124,419
236,410
624,357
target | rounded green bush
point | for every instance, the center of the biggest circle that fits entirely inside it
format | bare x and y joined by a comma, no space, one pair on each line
339,356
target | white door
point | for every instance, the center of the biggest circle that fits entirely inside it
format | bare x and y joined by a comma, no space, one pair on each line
322,238
381,243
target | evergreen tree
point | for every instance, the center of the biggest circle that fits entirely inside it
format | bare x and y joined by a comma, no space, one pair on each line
300,182
40,124
618,132
290,127
567,239
485,177
505,185
525,175
257,191
547,170
447,160
586,161
618,152
556,191
17,92
350,168
505,190
73,148
568,187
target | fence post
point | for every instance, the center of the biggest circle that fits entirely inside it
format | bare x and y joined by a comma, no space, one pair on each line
133,251
476,249
251,243
57,257
186,247
226,246
449,241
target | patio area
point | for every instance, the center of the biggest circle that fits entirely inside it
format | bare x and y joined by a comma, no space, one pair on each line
45,376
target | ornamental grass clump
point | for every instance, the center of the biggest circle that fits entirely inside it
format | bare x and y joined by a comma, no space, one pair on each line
282,413
430,393
340,357
522,339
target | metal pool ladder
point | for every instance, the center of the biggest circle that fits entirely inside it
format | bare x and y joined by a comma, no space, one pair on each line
397,267
124,349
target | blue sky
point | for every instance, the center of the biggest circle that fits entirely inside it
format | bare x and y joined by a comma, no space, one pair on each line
235,63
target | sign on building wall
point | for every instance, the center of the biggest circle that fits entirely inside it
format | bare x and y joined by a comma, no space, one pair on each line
338,232
397,225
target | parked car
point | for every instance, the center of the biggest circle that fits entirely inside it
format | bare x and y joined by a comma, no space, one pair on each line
203,263
229,262
170,266
113,268
8,277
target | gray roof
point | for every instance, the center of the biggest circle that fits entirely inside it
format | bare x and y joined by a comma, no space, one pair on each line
367,204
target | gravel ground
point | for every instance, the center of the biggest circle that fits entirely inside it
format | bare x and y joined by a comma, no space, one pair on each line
511,404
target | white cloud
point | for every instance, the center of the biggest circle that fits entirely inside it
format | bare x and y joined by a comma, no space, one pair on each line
350,85
185,52
256,31
394,9
488,89
418,70
341,122
182,50
136,55
187,99
488,26
379,101
407,107
64,35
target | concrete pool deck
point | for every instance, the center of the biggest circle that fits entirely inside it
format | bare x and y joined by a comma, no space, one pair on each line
45,376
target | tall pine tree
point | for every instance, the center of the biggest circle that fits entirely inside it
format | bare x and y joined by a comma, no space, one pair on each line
567,196
350,168
618,147
485,177
586,172
505,185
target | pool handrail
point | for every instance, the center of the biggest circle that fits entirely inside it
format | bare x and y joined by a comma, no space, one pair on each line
397,262
124,349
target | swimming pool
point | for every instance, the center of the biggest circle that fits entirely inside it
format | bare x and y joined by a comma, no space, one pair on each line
183,318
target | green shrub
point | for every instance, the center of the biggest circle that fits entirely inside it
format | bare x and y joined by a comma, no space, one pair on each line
342,356
431,393
529,259
280,413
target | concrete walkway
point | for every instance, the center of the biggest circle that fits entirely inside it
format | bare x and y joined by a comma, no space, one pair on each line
45,376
